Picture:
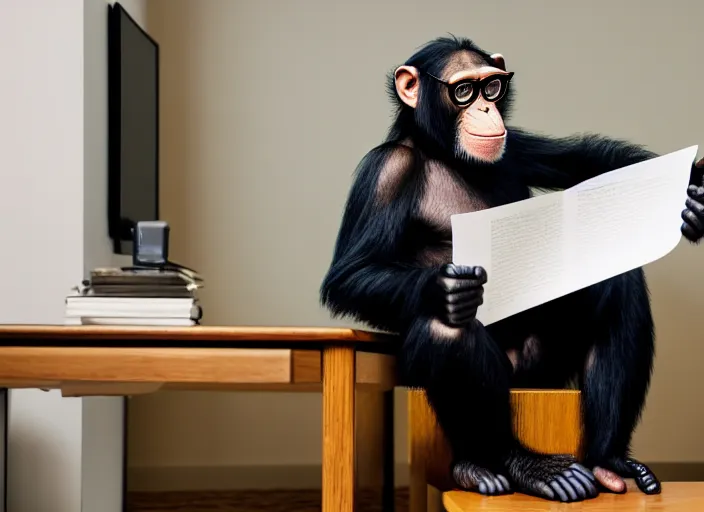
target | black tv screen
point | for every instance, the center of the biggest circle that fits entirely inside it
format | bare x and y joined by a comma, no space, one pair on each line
133,127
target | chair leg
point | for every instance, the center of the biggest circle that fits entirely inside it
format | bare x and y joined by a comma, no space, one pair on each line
418,484
434,501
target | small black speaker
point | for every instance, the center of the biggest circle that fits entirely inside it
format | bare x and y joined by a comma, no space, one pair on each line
151,244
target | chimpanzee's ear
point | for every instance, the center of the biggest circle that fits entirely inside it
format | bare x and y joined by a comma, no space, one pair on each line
407,84
499,61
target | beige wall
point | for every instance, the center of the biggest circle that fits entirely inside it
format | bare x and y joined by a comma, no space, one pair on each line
268,107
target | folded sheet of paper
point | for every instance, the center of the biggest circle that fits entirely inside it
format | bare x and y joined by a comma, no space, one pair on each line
550,245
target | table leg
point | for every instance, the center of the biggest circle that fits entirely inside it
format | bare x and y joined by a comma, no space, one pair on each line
389,489
338,490
374,448
3,448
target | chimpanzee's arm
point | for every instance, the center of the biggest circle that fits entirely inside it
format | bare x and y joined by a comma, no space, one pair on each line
560,163
563,162
369,278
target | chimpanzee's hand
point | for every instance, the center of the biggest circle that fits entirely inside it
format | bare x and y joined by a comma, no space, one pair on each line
459,291
693,214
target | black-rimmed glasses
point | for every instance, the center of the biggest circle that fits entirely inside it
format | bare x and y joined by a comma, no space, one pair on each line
465,92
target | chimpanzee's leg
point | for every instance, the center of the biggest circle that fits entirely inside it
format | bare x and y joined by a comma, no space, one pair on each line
617,377
466,376
604,336
466,379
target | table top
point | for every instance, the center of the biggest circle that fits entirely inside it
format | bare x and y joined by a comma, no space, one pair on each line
200,357
675,497
13,334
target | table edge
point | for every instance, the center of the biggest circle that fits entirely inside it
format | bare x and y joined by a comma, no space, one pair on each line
235,333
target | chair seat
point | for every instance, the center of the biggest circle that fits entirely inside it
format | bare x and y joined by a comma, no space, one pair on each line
675,497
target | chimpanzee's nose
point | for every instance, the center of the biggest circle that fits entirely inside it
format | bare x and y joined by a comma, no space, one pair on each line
484,109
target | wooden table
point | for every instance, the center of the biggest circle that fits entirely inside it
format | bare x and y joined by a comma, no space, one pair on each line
122,361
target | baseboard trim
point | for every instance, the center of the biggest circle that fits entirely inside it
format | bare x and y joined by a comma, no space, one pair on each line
678,471
221,478
235,478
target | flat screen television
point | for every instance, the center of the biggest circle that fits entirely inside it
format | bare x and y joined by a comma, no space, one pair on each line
133,127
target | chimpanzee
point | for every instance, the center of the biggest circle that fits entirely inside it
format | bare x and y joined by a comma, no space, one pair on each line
449,151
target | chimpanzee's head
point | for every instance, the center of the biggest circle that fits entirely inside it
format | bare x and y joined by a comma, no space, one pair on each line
457,95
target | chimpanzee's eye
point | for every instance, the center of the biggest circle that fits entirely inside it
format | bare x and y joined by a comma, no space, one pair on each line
463,92
493,89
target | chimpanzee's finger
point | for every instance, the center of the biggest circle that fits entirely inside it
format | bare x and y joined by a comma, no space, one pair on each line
465,272
459,320
689,232
455,285
461,308
695,192
458,271
695,206
690,218
463,297
480,272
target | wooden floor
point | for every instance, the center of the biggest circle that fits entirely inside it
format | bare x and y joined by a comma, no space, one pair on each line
248,501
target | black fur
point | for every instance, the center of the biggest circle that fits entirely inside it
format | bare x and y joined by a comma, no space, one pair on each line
376,277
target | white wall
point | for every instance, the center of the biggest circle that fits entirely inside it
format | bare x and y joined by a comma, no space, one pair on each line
41,159
53,207
268,106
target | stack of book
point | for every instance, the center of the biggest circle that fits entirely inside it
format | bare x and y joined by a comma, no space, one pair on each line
136,296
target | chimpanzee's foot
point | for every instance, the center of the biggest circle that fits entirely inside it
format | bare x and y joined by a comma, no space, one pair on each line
609,475
475,478
555,477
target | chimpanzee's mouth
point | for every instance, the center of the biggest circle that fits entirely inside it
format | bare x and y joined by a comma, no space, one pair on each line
486,136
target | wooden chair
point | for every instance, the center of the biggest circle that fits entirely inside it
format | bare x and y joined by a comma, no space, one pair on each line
547,421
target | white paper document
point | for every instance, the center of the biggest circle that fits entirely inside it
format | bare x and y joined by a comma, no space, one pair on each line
548,246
